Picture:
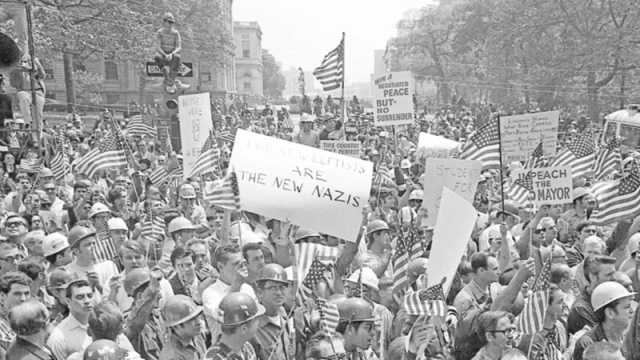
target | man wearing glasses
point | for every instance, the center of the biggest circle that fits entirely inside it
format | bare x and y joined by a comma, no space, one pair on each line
10,256
357,326
498,330
15,227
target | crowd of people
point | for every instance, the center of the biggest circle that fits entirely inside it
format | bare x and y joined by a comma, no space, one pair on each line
120,266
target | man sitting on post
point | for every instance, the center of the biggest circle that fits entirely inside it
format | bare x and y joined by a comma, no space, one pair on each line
168,52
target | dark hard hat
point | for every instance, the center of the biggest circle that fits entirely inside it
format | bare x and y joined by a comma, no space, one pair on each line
376,225
104,350
134,279
273,272
355,309
79,233
178,309
237,308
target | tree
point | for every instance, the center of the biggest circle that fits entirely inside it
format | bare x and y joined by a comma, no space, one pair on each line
273,82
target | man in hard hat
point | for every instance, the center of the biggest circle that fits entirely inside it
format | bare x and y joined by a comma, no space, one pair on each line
238,316
181,231
82,242
357,326
184,323
190,209
105,247
583,204
118,231
276,334
613,307
378,255
306,135
409,214
104,350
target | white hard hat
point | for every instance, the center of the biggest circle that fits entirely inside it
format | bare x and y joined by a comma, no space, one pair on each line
54,243
98,208
180,223
368,277
405,164
116,223
416,194
608,292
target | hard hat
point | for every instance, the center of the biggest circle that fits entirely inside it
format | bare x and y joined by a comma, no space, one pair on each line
187,191
416,194
98,208
180,223
417,266
289,271
405,164
134,279
304,233
104,350
46,172
368,277
273,272
54,243
79,233
608,292
376,225
634,243
355,309
178,309
84,183
116,223
578,193
237,308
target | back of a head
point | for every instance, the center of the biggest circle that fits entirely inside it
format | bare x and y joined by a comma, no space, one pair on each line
106,321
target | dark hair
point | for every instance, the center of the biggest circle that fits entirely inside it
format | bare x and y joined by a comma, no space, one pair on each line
7,280
479,261
76,284
222,255
488,321
599,314
32,267
179,253
592,264
559,272
134,246
583,224
250,246
312,350
106,321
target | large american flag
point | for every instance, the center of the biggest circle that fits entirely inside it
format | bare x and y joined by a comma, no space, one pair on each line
409,246
317,272
531,319
60,165
579,154
535,160
108,154
617,199
137,127
208,160
484,145
608,161
331,72
519,189
223,193
329,315
306,252
428,302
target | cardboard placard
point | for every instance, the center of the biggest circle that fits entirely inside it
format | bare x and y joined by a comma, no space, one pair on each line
521,134
460,176
393,93
315,189
549,185
432,146
195,125
348,148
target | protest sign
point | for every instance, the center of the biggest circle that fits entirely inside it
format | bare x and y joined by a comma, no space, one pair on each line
450,238
548,185
195,124
460,176
315,189
521,134
393,93
349,148
432,146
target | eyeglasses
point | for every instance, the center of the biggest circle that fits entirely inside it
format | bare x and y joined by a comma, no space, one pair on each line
14,224
14,258
508,331
590,231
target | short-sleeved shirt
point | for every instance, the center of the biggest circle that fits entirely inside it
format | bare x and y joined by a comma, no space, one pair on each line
221,351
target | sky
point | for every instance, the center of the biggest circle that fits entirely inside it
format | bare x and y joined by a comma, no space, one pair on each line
301,32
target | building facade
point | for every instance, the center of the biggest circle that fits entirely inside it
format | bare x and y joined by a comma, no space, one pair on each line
247,37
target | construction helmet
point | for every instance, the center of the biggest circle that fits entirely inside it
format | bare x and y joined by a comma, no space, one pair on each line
79,233
238,308
376,225
416,194
303,234
607,292
178,309
98,208
169,17
273,272
355,310
45,173
180,223
634,244
116,223
54,243
104,350
135,279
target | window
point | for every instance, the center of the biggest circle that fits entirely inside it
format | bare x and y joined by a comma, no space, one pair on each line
110,70
246,53
246,86
113,98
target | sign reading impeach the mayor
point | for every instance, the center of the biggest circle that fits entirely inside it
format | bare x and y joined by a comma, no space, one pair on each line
393,94
316,189
548,185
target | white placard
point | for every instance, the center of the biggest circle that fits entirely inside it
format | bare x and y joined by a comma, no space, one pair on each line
393,93
450,237
549,185
460,176
521,134
432,146
348,148
195,124
316,189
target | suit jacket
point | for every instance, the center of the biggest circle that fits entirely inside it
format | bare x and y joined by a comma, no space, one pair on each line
24,350
177,285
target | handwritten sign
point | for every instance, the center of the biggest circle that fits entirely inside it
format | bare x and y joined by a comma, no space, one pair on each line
316,189
195,125
450,238
521,134
393,93
349,148
547,186
432,146
461,176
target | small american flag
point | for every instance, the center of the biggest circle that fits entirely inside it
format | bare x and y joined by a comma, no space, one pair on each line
520,188
59,164
317,272
536,158
329,315
484,145
306,252
31,165
531,319
227,136
105,248
159,175
223,193
408,247
579,154
608,161
110,153
331,72
208,160
428,302
137,127
617,199
153,229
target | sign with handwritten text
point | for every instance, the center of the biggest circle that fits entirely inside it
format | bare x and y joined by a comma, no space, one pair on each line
393,93
349,148
195,124
315,189
521,134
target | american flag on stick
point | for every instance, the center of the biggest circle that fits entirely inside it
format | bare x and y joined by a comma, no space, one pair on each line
153,229
430,302
223,193
137,127
317,272
329,315
531,319
536,158
60,165
408,247
608,161
579,154
520,188
617,199
484,145
306,252
208,160
109,153
331,72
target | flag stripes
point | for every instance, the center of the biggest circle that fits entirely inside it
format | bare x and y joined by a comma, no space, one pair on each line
617,199
484,145
109,153
329,315
531,319
153,229
608,161
428,302
223,193
579,154
306,252
330,73
137,127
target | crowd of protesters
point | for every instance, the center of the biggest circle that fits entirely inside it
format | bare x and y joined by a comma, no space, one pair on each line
117,267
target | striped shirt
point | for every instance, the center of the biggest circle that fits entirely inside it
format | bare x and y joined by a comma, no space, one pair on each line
273,341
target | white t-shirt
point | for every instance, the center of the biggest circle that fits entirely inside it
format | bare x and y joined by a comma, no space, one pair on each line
105,270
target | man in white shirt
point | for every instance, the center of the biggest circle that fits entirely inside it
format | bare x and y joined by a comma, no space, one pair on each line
233,273
82,242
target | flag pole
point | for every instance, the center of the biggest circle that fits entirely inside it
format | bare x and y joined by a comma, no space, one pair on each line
344,100
501,166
